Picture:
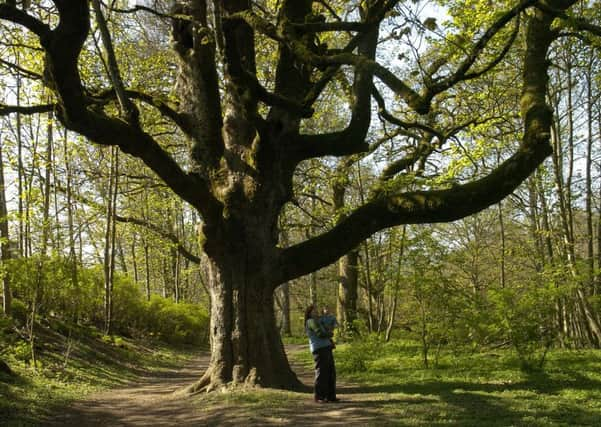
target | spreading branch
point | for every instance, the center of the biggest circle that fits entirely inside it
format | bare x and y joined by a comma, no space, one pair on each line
20,17
390,208
462,74
63,46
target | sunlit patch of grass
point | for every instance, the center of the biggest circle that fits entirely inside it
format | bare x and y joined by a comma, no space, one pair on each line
472,389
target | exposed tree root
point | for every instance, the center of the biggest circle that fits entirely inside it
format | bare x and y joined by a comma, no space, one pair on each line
210,382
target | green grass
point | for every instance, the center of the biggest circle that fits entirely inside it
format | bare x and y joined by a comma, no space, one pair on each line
94,363
471,389
382,384
294,339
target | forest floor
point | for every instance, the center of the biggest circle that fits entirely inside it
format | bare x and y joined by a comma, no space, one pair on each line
380,384
385,394
155,401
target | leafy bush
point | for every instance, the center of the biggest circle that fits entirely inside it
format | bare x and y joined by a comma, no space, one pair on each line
177,323
83,300
359,353
526,314
129,306
19,311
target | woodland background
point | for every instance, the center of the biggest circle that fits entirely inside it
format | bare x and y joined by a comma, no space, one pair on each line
90,237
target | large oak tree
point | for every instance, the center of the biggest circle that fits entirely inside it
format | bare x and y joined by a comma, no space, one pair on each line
245,129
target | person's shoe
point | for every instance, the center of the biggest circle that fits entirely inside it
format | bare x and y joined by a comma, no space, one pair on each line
317,400
334,400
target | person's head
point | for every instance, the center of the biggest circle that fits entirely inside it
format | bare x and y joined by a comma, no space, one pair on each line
309,312
325,310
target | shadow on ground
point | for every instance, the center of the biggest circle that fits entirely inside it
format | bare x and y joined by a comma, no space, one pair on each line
440,403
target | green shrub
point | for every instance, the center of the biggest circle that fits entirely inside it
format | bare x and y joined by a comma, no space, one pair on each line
527,317
19,311
129,306
177,323
81,298
360,352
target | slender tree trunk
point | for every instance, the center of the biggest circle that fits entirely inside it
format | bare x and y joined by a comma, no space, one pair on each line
564,194
286,325
348,289
109,242
176,279
348,278
4,235
368,287
535,227
598,281
134,258
147,265
590,256
502,231
70,221
396,290
20,167
121,253
40,286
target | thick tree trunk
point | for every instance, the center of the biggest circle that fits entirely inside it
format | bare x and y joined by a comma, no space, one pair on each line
246,348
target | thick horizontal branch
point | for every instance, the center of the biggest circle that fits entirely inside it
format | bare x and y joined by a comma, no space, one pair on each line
105,130
20,17
273,99
573,22
26,109
142,8
257,23
418,207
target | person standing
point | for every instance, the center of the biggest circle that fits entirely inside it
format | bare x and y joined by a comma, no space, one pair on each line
321,348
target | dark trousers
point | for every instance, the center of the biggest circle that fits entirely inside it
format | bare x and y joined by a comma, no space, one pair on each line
325,374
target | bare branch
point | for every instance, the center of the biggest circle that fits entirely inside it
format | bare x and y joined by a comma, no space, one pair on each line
571,21
186,253
24,71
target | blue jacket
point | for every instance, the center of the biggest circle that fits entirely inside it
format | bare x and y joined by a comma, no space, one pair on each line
318,336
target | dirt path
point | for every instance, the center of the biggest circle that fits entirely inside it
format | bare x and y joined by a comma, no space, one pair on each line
152,402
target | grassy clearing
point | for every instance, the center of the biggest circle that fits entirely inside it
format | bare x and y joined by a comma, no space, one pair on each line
470,389
71,368
385,384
